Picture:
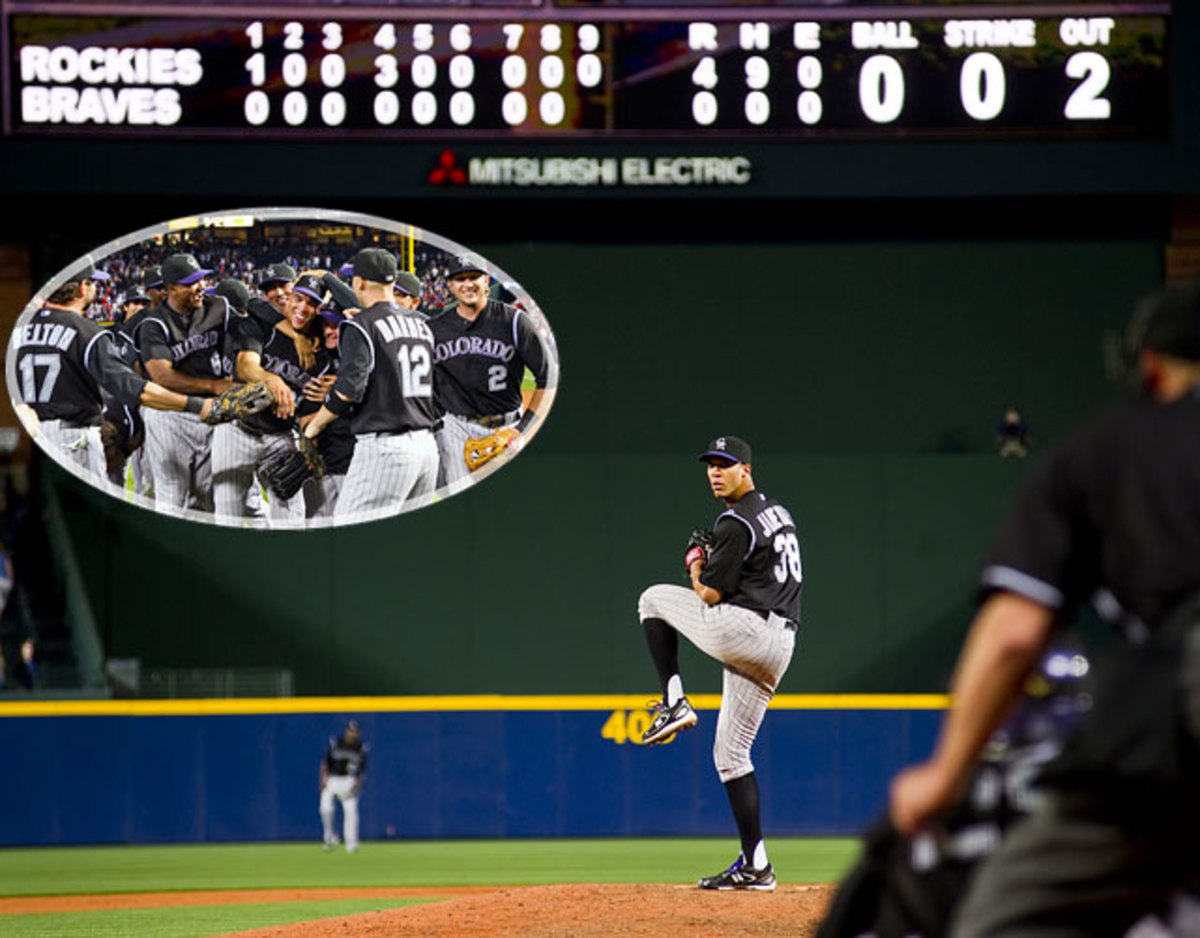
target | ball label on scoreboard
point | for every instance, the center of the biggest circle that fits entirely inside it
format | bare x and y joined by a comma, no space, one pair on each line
393,368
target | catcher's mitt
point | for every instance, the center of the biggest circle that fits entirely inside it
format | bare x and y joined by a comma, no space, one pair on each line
480,450
239,402
286,470
697,547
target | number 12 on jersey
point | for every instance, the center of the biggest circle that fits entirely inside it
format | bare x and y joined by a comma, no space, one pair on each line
415,371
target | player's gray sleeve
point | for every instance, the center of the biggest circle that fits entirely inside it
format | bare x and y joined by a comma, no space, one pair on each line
531,349
343,296
105,364
354,366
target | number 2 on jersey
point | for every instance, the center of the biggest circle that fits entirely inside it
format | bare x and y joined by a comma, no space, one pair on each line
788,549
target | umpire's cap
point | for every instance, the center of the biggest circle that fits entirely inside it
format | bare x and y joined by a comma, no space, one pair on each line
731,448
1166,321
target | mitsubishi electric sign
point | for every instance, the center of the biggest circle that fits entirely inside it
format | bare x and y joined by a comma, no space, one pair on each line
591,172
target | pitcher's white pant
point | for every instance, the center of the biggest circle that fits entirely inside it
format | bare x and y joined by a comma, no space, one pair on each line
80,445
343,788
386,470
451,439
755,651
179,448
236,455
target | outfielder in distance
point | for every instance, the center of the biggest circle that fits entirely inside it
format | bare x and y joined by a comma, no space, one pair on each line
742,609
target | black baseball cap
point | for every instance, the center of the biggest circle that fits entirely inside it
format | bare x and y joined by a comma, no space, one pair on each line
1169,321
376,265
732,448
134,295
154,279
277,273
182,270
409,284
311,286
236,292
466,264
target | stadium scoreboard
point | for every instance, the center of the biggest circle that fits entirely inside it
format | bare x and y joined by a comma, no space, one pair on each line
579,70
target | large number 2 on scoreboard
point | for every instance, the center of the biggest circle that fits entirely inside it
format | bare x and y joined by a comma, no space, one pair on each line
29,389
414,371
788,549
1085,102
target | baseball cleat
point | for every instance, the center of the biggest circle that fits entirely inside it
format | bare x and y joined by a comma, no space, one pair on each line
669,720
741,876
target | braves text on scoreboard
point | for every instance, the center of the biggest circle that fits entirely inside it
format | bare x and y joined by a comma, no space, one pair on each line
589,70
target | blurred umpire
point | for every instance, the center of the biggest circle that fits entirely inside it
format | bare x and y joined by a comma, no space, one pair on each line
1111,514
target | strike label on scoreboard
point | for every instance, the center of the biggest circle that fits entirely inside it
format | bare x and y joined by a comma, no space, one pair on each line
584,72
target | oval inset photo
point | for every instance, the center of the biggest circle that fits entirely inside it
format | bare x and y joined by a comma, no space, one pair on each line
282,368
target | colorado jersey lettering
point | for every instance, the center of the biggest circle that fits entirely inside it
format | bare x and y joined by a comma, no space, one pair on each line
195,345
480,363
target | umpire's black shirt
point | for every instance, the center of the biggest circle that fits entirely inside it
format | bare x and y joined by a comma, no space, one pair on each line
1112,513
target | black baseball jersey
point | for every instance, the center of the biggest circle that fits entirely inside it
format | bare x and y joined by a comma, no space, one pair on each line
386,366
195,344
480,363
277,354
755,557
343,758
63,360
336,442
1111,513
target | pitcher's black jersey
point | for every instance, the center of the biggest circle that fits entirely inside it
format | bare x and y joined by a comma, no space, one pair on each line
195,345
480,363
386,362
755,557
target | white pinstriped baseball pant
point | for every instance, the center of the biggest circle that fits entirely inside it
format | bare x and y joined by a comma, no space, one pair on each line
236,456
80,445
388,469
453,474
755,652
179,448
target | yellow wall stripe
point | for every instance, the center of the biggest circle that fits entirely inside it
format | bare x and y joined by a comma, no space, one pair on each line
479,702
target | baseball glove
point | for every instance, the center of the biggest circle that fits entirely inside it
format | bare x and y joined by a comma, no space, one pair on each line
286,470
697,547
480,450
239,402
114,450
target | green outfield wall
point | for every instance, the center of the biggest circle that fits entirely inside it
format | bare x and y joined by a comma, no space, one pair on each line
868,376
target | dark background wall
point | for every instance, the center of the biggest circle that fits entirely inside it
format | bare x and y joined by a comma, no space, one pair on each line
861,315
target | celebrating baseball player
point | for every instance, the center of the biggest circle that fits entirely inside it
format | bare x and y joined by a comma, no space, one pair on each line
742,609
386,378
65,360
264,354
342,773
182,345
482,349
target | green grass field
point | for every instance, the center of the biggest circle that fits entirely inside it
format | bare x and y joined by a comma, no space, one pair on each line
89,870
